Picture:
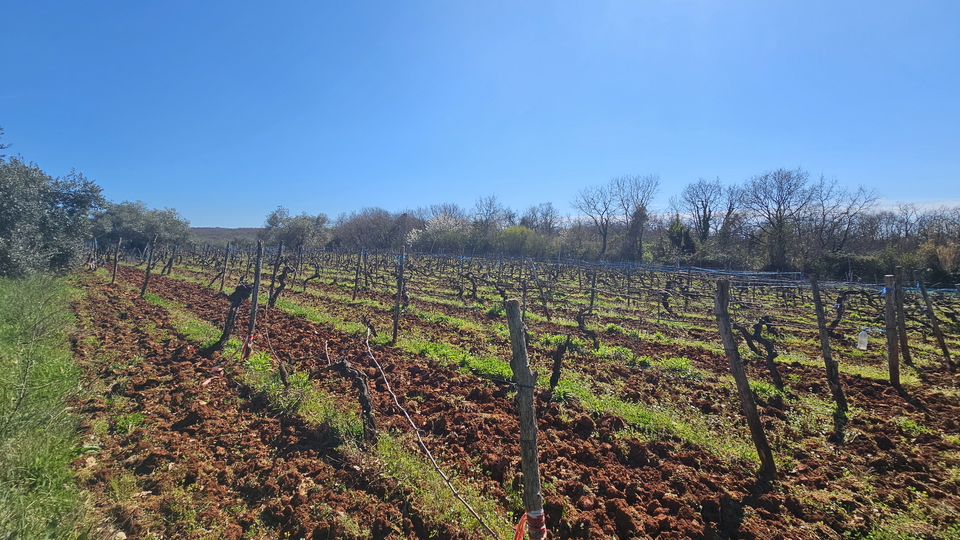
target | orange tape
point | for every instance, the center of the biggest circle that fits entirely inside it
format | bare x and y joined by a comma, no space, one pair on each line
518,530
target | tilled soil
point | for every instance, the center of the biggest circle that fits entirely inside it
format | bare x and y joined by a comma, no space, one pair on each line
210,459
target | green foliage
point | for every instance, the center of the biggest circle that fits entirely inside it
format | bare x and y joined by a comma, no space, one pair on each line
617,353
416,475
293,231
38,498
765,390
909,426
139,225
556,340
126,423
43,220
680,366
496,311
484,366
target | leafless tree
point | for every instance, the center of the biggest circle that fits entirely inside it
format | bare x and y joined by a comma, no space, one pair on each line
633,194
599,204
543,218
832,217
777,201
700,200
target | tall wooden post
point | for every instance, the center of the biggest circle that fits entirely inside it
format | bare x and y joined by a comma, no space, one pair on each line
258,267
396,312
935,323
893,357
833,367
901,318
356,278
146,277
768,469
223,273
116,260
529,459
273,276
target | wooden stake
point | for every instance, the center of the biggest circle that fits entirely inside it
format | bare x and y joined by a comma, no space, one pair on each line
356,278
116,260
833,367
258,267
396,311
893,357
226,259
935,323
526,382
150,259
901,318
768,469
273,276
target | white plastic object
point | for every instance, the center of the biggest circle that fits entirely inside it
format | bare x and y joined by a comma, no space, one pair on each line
862,340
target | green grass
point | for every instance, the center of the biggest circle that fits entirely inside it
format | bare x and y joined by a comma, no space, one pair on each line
910,427
38,497
721,435
455,357
680,366
192,328
416,475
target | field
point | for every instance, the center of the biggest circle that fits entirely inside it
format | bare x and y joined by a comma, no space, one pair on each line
642,437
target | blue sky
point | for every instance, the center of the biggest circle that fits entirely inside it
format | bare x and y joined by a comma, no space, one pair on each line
225,110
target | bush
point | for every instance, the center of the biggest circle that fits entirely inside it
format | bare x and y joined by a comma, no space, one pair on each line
44,222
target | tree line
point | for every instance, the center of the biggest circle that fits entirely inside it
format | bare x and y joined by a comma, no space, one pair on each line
780,220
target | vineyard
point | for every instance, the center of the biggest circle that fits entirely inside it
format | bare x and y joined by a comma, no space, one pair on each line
374,398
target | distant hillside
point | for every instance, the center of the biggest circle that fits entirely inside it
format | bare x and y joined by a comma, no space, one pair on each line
221,235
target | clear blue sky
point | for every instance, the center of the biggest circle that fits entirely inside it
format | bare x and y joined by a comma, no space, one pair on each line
225,110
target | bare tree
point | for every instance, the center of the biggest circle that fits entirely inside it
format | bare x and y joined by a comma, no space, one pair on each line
489,217
543,218
599,204
777,201
832,216
700,201
633,195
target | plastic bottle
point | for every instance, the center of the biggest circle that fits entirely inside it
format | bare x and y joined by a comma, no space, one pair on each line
862,340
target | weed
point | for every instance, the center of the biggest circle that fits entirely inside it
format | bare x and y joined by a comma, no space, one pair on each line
614,329
910,427
680,366
496,311
126,423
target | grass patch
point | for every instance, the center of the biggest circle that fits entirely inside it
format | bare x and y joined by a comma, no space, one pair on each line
680,366
448,354
719,434
415,473
38,497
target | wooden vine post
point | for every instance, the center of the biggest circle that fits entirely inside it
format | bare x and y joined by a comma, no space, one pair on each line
150,263
116,260
893,357
901,317
768,469
356,278
258,266
223,272
273,276
396,311
935,323
833,367
529,460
